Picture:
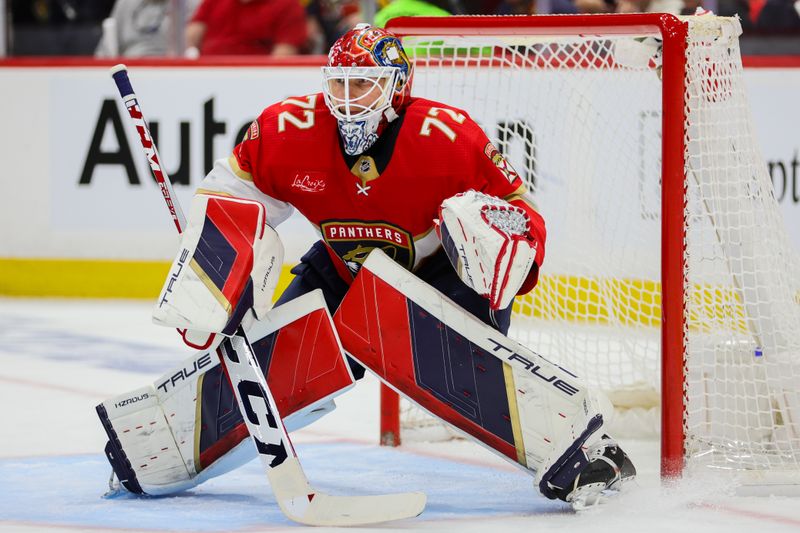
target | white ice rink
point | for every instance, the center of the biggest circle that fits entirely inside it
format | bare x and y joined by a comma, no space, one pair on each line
59,358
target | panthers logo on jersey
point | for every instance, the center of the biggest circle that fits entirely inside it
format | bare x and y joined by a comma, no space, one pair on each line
353,240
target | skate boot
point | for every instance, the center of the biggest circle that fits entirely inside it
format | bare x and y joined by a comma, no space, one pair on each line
608,470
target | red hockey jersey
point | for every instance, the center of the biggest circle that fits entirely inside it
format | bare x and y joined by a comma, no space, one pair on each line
387,197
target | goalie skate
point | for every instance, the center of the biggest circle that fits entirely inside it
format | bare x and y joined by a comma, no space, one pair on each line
608,470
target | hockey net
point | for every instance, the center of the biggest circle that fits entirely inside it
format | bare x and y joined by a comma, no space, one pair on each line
666,249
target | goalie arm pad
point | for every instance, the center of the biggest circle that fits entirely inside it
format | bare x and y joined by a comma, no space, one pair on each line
228,265
490,243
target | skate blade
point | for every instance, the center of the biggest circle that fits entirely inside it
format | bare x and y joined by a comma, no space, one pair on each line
591,500
121,493
116,494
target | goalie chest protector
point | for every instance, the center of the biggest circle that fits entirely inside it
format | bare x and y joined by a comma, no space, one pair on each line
386,198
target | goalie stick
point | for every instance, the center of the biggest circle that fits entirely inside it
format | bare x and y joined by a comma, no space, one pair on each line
298,500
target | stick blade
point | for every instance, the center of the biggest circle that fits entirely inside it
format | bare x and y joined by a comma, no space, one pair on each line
302,504
319,509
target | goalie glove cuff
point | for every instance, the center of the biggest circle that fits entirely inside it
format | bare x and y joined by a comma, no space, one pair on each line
488,241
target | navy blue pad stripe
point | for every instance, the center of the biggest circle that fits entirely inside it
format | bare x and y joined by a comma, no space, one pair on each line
459,373
214,254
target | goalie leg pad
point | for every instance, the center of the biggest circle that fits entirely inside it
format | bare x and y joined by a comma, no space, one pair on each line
316,271
515,402
240,454
142,447
187,427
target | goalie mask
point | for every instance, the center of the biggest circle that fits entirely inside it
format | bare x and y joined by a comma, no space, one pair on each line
367,84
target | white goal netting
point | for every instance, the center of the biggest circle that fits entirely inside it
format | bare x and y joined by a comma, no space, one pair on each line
579,116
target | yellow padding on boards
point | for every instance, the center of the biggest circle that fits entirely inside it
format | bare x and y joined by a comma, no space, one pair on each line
90,278
628,302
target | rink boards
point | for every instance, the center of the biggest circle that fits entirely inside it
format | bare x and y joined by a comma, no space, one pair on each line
85,214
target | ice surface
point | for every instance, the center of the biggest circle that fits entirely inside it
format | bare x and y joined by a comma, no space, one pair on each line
59,358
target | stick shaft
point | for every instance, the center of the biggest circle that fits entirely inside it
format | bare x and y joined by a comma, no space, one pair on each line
120,75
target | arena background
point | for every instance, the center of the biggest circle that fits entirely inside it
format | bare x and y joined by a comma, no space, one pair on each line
82,215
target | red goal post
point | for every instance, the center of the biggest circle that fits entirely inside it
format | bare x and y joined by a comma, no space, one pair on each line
696,67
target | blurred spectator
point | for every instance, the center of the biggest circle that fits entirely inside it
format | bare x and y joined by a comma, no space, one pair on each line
690,6
675,7
410,8
59,12
139,28
328,20
632,6
56,27
247,27
763,15
315,32
595,6
729,8
528,7
778,15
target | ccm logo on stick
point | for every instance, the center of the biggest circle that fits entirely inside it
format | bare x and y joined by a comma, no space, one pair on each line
249,391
